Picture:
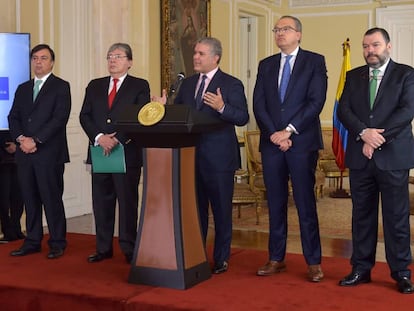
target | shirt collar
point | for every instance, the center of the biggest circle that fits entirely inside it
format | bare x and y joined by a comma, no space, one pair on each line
294,53
44,78
381,69
210,74
120,79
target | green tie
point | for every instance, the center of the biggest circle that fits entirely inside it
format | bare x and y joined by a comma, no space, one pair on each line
36,88
373,87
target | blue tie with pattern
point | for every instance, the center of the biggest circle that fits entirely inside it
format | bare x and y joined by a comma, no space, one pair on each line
285,78
199,96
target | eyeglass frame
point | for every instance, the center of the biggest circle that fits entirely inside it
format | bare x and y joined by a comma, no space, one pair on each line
115,56
283,29
41,58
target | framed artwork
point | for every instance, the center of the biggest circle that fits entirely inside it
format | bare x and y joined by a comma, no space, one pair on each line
183,22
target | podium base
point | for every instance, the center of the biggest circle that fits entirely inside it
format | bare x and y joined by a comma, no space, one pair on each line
169,250
176,279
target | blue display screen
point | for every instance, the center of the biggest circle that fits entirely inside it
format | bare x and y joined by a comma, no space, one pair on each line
14,69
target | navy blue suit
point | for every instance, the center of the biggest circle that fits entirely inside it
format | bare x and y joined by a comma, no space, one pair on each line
388,170
217,156
96,117
304,100
41,172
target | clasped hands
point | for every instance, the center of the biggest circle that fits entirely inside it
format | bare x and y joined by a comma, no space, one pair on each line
373,139
282,139
108,142
27,144
215,101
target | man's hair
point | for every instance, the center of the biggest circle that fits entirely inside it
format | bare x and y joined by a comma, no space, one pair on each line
384,33
298,24
215,46
39,47
121,46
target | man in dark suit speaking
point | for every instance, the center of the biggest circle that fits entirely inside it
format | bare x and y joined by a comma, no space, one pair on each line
377,108
37,122
289,95
105,99
222,97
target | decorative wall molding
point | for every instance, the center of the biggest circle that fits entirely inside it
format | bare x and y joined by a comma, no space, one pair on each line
399,23
75,65
325,3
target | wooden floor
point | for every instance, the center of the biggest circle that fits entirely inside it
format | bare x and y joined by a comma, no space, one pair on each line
249,239
259,240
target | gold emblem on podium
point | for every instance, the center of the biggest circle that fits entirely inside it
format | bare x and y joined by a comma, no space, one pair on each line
151,113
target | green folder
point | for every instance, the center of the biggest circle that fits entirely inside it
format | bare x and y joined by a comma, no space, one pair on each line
112,163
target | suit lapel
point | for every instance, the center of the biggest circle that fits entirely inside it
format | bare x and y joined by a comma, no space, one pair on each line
297,69
384,82
45,86
214,83
273,76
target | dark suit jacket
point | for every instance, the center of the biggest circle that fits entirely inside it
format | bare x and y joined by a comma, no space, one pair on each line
219,150
5,157
393,111
95,116
304,100
45,119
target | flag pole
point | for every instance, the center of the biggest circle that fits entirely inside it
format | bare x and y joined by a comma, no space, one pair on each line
340,192
340,134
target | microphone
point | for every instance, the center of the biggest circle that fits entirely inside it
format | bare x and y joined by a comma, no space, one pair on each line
174,87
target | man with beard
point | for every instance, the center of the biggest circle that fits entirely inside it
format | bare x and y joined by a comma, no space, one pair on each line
377,108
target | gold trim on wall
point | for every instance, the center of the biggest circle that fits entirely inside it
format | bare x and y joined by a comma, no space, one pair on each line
183,22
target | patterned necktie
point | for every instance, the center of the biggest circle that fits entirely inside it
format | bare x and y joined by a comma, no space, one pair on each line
285,78
36,88
112,94
199,96
373,87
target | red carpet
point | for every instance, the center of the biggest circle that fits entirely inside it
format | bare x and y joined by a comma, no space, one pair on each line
35,283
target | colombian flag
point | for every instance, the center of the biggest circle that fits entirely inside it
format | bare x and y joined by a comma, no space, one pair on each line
340,134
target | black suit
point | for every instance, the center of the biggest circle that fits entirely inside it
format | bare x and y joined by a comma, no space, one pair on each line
303,102
388,170
95,118
41,172
217,156
11,202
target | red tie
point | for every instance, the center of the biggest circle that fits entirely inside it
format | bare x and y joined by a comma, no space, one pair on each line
112,94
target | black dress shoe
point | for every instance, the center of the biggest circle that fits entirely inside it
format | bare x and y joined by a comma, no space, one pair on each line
405,286
97,257
20,236
355,278
55,253
24,251
220,267
4,240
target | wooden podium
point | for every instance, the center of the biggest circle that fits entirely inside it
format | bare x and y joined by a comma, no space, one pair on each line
169,249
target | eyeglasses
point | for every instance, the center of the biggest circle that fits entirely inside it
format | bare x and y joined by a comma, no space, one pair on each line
115,57
42,58
283,29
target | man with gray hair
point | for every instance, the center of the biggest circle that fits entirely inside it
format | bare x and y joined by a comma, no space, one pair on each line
220,96
105,99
